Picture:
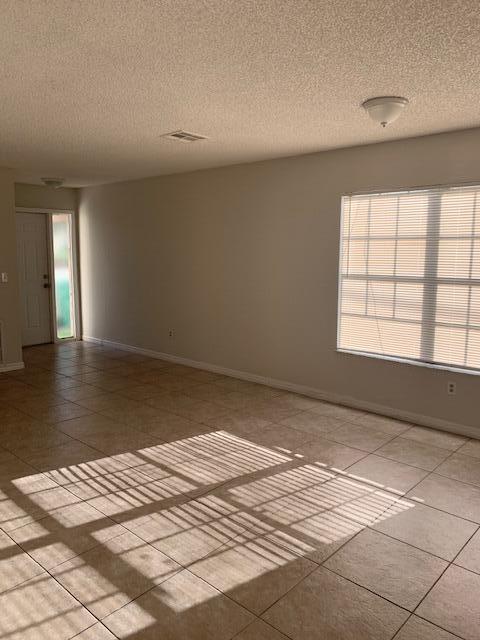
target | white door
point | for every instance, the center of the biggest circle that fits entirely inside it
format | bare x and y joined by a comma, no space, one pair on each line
34,277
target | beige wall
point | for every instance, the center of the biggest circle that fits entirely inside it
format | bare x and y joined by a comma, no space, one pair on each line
42,197
9,302
242,262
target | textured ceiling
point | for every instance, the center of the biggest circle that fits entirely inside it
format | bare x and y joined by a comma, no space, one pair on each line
89,86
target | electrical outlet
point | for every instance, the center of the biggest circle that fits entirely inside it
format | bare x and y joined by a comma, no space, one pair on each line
171,333
451,388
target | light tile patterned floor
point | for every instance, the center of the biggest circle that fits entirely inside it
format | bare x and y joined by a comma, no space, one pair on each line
143,499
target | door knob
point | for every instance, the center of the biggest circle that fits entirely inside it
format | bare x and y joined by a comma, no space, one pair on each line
46,285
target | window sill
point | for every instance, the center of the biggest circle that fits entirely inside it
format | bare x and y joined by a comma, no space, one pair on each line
417,363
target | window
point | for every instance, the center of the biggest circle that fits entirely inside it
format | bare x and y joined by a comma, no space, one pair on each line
410,276
63,275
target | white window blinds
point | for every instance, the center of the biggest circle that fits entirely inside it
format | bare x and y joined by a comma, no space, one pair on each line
410,275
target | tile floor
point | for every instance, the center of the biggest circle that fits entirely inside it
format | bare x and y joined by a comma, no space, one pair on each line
143,499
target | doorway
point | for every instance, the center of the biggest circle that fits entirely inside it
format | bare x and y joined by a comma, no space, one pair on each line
47,276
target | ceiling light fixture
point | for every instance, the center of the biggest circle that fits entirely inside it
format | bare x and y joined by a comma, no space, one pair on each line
55,183
384,109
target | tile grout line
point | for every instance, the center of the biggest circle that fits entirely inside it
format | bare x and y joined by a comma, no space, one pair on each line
366,455
137,431
441,575
411,613
323,565
126,530
449,564
47,571
186,568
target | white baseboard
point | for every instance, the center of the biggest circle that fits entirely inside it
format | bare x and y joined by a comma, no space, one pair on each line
11,366
348,401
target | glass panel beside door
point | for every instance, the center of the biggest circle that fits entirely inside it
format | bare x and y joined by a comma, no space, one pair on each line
63,275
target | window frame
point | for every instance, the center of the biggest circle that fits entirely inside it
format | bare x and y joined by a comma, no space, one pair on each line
431,258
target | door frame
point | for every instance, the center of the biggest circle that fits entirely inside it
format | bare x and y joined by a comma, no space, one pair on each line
75,270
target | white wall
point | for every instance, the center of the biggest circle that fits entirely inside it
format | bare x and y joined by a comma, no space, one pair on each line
9,301
242,262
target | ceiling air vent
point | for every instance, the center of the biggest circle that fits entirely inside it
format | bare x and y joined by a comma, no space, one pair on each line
184,136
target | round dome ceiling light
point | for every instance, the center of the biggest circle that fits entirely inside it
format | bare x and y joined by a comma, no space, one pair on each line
54,183
385,109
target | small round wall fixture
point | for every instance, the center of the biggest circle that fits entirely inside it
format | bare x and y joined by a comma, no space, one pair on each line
54,183
385,109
